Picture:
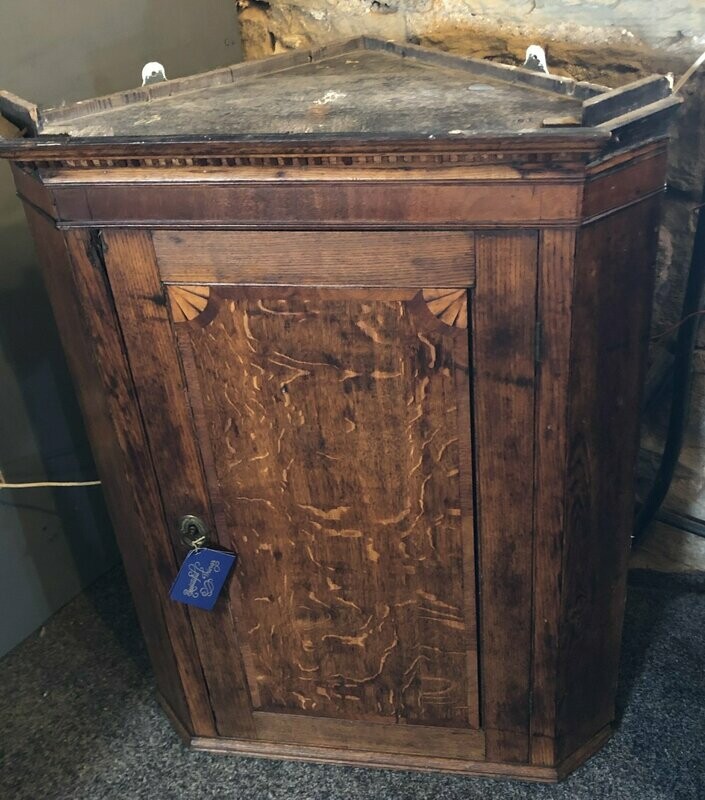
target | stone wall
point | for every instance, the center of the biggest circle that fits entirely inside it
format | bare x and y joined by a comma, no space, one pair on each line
609,41
273,25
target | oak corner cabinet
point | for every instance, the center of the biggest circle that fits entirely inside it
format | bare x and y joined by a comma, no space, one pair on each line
377,316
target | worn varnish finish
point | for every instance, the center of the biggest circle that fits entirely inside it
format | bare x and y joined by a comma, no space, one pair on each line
356,608
141,305
503,356
610,330
331,203
553,308
397,371
75,278
372,736
377,258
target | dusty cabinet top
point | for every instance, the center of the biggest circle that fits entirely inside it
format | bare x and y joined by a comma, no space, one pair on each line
360,89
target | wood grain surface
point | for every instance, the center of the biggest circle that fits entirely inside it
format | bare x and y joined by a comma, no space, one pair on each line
554,305
610,329
333,420
342,258
296,92
626,182
504,314
335,203
82,303
419,441
464,744
142,308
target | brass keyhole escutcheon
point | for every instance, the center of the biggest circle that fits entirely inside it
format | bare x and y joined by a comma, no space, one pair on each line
194,531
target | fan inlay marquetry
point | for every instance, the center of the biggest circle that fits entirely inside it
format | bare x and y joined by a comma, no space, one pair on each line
448,305
187,302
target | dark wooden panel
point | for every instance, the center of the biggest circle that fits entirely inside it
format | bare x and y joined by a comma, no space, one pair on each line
503,357
555,286
646,124
141,307
615,103
330,258
348,735
643,174
610,329
370,758
338,435
331,203
32,191
584,752
89,333
20,113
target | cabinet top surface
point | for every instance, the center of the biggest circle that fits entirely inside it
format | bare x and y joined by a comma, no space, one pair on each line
359,92
364,90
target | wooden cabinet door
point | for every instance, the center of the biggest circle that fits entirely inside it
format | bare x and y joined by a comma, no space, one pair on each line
308,395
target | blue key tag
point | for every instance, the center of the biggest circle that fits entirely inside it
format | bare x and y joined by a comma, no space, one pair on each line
201,577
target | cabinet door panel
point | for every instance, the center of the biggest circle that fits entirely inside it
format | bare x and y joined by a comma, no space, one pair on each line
332,420
333,432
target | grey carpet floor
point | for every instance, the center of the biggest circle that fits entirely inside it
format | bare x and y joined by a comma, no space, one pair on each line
78,719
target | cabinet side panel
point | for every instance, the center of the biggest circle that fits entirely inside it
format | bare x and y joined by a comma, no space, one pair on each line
611,315
503,360
159,382
555,287
91,339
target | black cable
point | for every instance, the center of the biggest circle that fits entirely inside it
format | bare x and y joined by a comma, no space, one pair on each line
682,522
682,378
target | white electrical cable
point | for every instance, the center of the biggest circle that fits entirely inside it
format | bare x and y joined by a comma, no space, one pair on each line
689,73
42,484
